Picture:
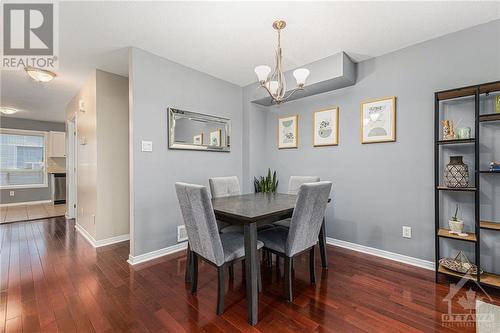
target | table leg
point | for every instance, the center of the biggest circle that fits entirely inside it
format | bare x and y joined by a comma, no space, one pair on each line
251,271
322,245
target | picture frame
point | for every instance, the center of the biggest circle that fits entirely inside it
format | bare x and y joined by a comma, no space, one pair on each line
198,139
288,130
326,127
215,138
378,120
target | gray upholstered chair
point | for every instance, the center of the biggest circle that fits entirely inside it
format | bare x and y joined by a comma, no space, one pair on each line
225,187
293,188
304,230
204,238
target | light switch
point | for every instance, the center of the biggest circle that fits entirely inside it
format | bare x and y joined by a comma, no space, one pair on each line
147,145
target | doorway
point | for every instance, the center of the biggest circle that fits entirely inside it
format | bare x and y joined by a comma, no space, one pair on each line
71,168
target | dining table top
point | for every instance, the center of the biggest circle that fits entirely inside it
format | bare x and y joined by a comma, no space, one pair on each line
253,207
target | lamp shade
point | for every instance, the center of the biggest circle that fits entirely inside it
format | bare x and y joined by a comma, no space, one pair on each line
262,72
301,75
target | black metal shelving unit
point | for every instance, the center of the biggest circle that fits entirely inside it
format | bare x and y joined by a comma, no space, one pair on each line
474,92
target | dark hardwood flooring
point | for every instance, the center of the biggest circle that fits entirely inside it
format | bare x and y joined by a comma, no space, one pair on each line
52,280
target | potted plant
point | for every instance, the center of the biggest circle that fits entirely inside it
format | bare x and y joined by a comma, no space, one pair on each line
456,225
266,184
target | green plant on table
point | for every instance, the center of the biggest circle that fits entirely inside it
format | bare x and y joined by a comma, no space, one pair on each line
266,184
454,217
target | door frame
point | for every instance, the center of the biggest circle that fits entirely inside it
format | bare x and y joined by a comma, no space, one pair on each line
71,167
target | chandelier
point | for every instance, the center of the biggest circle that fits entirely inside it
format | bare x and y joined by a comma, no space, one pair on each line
275,83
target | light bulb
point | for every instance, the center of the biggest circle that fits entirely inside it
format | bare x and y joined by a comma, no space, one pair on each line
262,72
40,75
301,75
273,87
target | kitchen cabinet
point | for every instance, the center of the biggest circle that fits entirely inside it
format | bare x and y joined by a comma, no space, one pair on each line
57,144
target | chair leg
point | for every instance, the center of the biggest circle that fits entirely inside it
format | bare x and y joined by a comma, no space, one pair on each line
312,272
278,265
220,290
194,276
288,279
259,282
231,271
189,260
269,259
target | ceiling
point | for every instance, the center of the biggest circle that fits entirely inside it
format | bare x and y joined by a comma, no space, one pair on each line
227,39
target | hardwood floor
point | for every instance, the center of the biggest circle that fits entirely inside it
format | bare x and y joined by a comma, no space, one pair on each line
31,212
52,280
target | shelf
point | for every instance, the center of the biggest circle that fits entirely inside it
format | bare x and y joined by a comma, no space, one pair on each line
462,189
488,279
489,87
456,141
471,237
489,117
450,94
488,171
490,225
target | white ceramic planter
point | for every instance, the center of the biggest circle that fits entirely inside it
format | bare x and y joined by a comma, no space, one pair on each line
456,227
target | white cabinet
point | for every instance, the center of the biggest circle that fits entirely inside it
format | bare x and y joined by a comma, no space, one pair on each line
57,144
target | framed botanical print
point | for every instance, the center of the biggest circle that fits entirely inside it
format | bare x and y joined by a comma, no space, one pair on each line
378,120
198,139
288,129
215,138
326,127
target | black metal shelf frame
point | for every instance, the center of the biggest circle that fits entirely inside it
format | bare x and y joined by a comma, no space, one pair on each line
475,92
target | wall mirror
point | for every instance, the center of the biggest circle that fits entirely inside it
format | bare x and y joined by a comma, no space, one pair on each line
197,131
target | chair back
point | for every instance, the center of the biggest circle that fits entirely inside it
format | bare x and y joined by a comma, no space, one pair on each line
224,186
295,182
307,216
199,218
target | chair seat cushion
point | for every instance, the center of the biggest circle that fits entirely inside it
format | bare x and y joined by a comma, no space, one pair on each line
233,244
283,223
274,239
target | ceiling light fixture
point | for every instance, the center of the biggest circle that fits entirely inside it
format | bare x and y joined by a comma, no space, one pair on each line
275,83
7,110
40,75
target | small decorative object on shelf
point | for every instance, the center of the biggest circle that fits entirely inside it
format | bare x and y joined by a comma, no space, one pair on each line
495,166
456,173
463,133
448,131
456,225
497,104
460,264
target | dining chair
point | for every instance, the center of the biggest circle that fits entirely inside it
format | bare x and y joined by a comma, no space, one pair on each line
304,230
293,188
221,187
205,241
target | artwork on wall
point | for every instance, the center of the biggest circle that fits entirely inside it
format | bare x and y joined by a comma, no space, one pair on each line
287,132
326,127
215,138
198,139
497,104
378,120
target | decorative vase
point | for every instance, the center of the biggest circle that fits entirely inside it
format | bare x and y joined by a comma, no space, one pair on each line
456,173
456,227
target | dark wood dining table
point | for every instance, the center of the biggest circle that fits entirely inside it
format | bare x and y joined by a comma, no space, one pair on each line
250,210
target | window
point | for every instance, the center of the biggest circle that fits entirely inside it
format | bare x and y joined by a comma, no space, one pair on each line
22,159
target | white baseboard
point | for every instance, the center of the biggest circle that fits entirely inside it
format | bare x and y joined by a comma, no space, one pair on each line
26,203
102,242
134,260
383,254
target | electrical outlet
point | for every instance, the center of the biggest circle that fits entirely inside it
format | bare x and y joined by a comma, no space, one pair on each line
147,145
181,233
12,193
406,232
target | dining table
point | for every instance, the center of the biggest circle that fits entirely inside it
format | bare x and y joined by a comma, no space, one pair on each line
251,210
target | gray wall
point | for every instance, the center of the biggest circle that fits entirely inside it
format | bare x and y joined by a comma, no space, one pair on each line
378,188
28,194
156,84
